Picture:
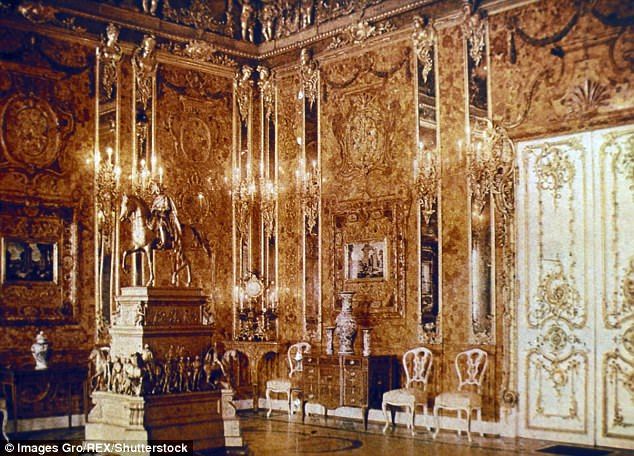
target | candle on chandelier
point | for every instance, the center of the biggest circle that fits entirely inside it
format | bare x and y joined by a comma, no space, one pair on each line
109,152
160,172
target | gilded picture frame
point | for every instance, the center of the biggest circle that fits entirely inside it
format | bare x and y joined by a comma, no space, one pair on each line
28,261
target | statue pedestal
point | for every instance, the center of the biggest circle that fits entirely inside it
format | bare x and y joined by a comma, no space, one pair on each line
158,383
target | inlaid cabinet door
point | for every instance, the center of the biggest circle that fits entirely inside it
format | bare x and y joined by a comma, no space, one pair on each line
557,289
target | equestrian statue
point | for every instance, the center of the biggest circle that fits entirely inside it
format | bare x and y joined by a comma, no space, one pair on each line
157,227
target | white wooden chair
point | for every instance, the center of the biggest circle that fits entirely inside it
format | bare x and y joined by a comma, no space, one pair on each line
295,357
417,365
5,417
471,365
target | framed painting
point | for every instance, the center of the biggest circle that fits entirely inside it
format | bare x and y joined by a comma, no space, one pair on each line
27,261
366,260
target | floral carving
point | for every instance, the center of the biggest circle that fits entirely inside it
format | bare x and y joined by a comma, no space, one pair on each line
309,77
144,64
267,91
110,54
557,297
359,33
243,89
423,38
474,26
554,169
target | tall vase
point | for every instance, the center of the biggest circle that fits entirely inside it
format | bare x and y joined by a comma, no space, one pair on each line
346,325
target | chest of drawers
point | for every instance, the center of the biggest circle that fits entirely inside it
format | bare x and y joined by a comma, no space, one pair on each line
349,380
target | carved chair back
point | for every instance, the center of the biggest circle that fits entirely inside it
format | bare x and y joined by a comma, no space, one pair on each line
471,365
296,357
417,365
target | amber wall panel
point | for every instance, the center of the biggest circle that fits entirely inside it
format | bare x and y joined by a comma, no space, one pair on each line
367,139
581,80
46,101
194,145
289,212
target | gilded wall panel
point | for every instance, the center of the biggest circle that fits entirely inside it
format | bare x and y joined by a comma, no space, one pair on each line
194,139
561,66
46,128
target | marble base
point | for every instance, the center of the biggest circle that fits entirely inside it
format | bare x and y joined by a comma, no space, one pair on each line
179,417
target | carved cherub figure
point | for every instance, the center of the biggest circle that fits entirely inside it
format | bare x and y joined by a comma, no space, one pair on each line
247,20
150,6
268,16
306,13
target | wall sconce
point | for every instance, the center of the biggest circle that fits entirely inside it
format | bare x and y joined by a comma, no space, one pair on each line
426,178
268,200
488,164
243,191
309,192
107,176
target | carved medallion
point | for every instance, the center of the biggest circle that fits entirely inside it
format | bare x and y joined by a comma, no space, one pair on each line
32,133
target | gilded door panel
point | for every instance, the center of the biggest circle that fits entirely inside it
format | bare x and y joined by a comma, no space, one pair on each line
614,176
555,268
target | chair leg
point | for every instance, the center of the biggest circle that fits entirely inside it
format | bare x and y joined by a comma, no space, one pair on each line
426,413
459,418
437,420
387,419
290,404
480,420
469,425
5,418
268,401
413,419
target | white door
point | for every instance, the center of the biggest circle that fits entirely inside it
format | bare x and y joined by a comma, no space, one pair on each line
576,287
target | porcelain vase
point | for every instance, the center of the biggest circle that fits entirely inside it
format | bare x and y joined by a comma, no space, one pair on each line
346,325
40,351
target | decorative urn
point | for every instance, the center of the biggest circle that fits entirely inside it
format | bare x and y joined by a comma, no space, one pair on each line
40,351
346,325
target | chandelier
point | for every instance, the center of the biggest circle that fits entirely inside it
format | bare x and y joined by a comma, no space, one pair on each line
427,179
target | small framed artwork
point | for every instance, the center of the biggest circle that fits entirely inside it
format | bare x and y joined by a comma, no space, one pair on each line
366,260
28,261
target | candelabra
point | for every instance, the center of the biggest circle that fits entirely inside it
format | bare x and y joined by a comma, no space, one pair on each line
309,191
426,177
107,175
257,310
243,190
268,200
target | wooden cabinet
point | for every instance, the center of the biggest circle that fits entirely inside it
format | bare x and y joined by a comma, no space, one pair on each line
58,390
348,380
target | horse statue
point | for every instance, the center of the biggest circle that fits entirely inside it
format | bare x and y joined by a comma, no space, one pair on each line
146,239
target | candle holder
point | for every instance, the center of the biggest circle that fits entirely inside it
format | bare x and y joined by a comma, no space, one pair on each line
309,193
257,310
427,179
107,176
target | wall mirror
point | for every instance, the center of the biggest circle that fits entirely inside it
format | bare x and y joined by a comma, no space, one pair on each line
427,178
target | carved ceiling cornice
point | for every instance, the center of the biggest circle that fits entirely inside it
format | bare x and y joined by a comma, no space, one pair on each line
87,19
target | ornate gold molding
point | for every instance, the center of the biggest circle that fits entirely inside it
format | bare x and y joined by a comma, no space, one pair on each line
423,39
243,89
309,77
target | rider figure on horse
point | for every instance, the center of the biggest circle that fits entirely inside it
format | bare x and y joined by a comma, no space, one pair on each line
165,218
